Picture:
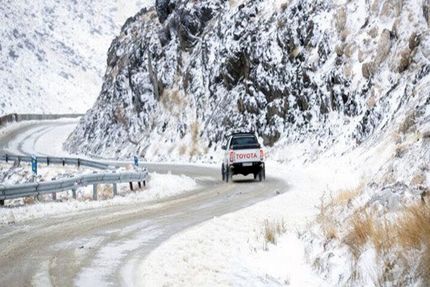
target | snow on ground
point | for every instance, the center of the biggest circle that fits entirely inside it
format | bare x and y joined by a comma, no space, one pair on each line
232,250
159,186
53,53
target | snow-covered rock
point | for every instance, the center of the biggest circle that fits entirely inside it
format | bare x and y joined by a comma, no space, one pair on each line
183,74
53,53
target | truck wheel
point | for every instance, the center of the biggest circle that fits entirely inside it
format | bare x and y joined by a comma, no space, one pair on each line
255,176
260,175
228,175
263,171
222,172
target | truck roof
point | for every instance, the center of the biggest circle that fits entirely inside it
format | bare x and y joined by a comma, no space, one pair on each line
242,134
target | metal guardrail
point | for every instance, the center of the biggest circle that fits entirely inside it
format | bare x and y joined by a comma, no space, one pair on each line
56,160
34,189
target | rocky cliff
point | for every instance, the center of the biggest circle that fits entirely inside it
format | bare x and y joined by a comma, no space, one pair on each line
183,74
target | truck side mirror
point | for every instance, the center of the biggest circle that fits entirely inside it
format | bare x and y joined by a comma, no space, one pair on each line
224,147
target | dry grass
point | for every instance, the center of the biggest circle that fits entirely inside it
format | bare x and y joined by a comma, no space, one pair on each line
327,218
272,230
413,227
409,231
327,221
173,101
194,139
364,227
104,191
346,196
413,232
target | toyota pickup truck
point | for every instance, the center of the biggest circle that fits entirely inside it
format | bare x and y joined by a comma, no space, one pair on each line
243,155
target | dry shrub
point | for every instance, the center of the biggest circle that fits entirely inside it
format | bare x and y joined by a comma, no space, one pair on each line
29,200
172,100
272,230
194,139
413,232
327,221
104,191
410,231
346,196
327,218
365,227
361,226
413,227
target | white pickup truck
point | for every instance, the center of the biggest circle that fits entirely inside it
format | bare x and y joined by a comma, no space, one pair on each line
243,155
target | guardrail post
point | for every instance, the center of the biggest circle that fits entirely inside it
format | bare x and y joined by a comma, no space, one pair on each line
7,158
74,193
140,184
115,190
47,161
54,196
144,183
79,162
131,185
95,192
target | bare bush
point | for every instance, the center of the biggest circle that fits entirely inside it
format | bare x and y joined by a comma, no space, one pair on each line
272,230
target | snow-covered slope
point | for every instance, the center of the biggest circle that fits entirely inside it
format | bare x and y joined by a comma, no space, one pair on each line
53,53
343,85
183,75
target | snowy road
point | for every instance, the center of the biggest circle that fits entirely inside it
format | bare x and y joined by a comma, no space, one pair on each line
105,246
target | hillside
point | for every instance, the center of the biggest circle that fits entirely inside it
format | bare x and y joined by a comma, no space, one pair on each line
53,53
182,75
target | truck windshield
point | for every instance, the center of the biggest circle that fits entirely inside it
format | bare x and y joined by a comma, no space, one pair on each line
244,142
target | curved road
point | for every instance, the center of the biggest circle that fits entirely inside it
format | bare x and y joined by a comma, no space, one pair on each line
104,247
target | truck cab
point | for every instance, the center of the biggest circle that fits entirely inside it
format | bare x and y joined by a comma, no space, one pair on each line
243,155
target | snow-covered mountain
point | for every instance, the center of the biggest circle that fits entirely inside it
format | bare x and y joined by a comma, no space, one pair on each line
53,53
182,75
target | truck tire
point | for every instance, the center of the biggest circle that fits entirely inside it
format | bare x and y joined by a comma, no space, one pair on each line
260,175
228,175
263,172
